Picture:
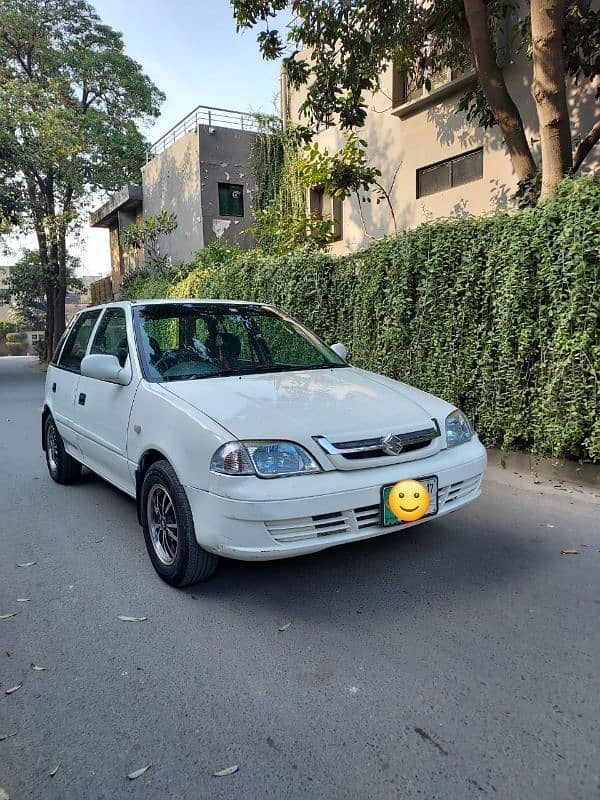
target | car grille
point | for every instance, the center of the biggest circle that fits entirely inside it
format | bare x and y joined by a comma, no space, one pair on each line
375,447
357,520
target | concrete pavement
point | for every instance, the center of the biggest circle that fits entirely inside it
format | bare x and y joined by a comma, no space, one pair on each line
460,660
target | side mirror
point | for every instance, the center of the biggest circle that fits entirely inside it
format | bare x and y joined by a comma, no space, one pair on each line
106,368
340,350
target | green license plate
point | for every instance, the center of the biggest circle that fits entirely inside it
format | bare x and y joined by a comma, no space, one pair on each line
388,516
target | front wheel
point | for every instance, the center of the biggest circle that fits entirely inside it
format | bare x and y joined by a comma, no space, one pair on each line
61,466
169,529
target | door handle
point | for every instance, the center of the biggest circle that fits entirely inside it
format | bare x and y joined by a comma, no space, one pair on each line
82,399
53,387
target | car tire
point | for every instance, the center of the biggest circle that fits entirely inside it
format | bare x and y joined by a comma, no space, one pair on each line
62,467
169,530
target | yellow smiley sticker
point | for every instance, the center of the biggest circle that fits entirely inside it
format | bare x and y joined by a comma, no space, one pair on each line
408,500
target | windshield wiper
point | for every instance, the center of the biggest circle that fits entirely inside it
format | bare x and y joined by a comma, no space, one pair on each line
254,370
323,366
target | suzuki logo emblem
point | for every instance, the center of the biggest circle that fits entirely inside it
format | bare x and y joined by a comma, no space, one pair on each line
392,444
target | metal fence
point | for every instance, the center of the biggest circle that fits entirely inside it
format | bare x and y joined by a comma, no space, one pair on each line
204,115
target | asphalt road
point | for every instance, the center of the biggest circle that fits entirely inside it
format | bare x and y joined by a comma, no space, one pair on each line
460,660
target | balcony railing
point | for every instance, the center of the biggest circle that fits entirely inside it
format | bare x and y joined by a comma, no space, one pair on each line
204,115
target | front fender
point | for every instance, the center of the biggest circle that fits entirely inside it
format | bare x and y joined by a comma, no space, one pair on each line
162,423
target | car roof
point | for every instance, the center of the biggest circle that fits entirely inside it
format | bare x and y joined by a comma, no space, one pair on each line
179,300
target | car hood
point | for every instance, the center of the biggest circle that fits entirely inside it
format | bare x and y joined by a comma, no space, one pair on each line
341,404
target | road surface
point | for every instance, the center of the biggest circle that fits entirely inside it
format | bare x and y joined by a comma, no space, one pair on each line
460,660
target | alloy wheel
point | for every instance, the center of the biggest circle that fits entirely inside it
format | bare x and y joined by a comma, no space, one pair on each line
52,449
162,522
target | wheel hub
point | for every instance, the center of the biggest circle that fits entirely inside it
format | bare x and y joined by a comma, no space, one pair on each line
162,524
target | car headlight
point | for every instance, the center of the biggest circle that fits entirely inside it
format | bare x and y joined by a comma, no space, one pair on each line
263,458
458,429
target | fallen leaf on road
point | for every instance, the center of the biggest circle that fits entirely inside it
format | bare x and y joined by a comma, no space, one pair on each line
27,564
14,688
123,618
36,668
8,616
23,599
284,627
138,772
3,794
424,735
569,552
53,771
223,773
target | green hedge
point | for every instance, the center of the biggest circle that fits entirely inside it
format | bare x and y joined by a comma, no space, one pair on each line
5,328
499,315
16,338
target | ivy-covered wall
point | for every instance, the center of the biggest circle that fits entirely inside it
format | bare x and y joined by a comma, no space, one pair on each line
499,315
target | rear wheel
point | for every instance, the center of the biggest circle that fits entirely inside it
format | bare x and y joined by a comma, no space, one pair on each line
61,466
169,529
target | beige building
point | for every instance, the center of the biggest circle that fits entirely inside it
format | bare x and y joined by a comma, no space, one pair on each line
440,165
199,171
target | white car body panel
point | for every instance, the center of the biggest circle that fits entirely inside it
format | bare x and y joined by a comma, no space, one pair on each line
102,422
250,517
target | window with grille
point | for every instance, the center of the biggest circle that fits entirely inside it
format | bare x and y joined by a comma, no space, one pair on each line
231,200
450,173
321,206
412,87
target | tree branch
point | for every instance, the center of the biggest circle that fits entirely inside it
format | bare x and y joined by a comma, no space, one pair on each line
585,146
26,65
506,113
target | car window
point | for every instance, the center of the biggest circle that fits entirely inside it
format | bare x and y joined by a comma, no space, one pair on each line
77,341
111,336
282,341
190,341
61,341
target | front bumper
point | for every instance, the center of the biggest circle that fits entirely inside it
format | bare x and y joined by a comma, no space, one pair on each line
264,528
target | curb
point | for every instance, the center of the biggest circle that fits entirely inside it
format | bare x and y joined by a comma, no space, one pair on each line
552,469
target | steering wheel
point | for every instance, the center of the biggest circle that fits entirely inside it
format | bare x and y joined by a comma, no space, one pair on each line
172,358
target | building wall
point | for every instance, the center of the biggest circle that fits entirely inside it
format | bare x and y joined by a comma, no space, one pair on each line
225,158
172,181
434,132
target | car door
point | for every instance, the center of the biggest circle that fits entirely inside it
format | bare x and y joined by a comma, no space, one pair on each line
64,377
102,409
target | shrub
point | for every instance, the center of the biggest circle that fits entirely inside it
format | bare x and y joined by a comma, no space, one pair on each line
16,338
5,328
16,348
499,315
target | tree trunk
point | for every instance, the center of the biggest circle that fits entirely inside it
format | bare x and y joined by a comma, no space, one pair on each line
586,145
549,91
52,298
61,290
49,327
492,82
59,315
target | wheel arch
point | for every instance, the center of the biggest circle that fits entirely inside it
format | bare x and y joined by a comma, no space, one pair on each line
45,414
149,457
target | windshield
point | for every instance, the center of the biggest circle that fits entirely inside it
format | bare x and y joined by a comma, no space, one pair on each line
183,341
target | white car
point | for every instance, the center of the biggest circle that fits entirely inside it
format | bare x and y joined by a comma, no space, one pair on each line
240,434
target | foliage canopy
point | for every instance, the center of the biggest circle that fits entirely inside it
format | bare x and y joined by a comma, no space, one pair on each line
499,315
340,48
70,103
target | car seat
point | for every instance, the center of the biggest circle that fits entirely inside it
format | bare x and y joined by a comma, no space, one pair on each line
224,348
